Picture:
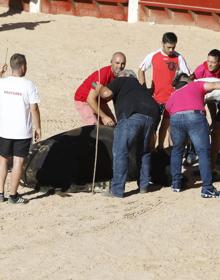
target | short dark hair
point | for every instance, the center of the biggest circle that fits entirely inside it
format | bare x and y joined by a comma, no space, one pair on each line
169,37
215,53
17,60
178,82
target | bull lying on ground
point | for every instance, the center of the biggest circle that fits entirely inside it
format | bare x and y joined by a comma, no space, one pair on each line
67,160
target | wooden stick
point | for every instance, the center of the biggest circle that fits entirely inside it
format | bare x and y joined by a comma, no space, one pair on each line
4,66
97,137
6,55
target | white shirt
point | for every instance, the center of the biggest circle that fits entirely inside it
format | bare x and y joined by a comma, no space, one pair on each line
16,95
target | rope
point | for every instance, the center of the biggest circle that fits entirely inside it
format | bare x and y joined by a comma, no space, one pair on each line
97,139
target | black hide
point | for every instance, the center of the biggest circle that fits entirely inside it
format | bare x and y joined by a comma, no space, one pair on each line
68,158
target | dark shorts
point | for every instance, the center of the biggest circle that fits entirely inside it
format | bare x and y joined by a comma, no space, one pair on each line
14,147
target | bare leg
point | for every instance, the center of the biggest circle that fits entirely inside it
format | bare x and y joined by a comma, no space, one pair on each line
165,123
16,174
3,172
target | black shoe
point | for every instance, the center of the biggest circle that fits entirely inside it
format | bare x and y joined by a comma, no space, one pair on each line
17,200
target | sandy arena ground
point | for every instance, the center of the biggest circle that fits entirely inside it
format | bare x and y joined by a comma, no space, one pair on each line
157,236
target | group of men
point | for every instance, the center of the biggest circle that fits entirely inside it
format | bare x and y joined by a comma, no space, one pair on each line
174,100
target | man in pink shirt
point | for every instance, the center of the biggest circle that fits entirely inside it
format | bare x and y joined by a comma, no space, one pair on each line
104,76
210,67
188,119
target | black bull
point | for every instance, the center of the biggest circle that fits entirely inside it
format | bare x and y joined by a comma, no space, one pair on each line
67,159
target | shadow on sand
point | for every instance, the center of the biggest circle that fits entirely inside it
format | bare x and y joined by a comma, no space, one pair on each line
25,25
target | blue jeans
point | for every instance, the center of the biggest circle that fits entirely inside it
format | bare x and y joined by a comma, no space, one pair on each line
138,128
194,125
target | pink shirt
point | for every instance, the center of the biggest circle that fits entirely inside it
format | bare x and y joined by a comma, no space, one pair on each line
189,97
202,71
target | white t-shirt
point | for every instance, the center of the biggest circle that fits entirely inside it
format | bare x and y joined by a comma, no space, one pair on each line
16,95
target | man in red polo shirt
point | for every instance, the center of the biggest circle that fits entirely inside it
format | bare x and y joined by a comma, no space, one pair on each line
104,76
165,63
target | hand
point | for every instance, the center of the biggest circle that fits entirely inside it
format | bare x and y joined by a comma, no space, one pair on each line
3,69
37,135
107,121
98,86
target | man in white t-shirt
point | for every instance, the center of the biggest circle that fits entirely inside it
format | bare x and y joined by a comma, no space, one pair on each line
18,110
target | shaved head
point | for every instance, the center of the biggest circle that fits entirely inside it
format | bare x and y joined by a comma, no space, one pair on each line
118,63
121,54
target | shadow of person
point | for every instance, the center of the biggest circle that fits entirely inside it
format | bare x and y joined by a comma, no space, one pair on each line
25,25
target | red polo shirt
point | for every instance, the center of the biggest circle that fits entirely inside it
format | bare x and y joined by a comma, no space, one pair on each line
106,76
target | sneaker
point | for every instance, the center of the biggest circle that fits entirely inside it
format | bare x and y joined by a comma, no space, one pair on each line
210,194
18,200
2,198
175,189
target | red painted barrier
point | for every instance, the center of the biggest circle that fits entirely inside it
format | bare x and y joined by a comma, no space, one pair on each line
116,9
204,13
211,6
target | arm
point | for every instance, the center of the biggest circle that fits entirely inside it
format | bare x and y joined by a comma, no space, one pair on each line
35,113
212,110
211,86
183,66
145,65
141,77
92,100
3,69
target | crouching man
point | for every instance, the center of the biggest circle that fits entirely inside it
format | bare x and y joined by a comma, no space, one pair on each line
137,117
18,109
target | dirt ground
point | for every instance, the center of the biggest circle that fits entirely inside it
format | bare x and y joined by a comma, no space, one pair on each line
157,236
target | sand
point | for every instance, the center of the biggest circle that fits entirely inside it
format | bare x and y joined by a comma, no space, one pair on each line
159,235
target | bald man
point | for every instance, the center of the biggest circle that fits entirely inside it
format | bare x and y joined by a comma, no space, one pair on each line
104,76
